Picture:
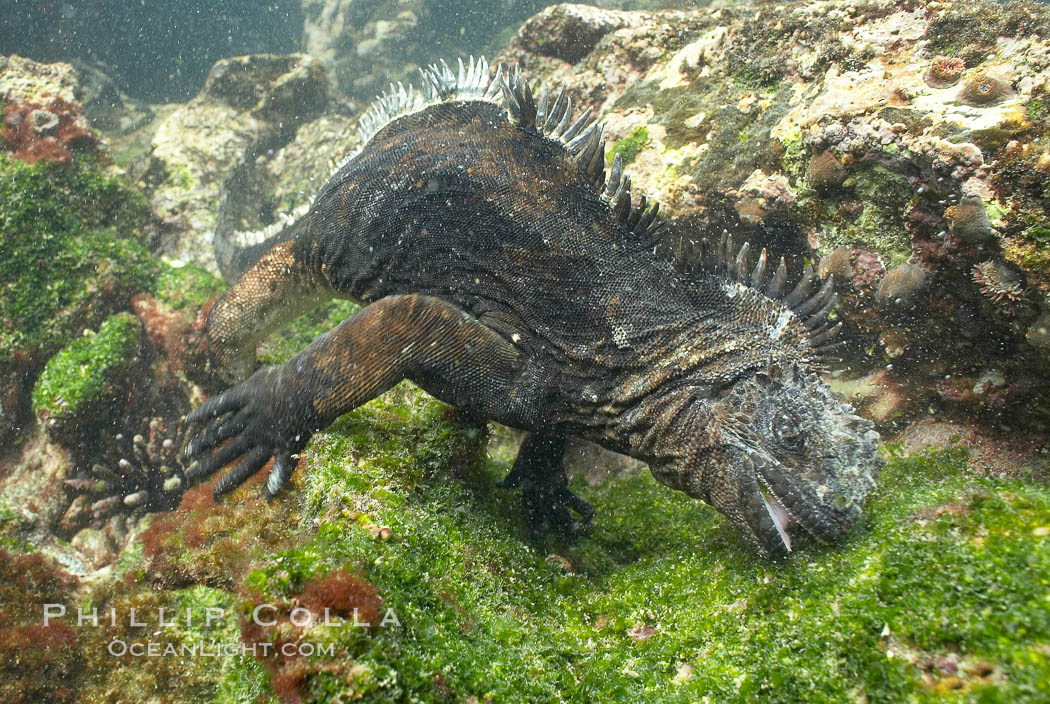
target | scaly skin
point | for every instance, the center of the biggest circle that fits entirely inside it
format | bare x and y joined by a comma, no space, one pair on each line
499,277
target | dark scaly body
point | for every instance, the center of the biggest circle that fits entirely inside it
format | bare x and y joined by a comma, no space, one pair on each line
481,234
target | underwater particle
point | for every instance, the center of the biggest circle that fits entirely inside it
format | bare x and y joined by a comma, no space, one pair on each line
944,72
1038,335
901,286
999,284
984,88
825,172
969,220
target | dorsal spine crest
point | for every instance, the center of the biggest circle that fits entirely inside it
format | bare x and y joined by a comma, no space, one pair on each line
583,138
812,309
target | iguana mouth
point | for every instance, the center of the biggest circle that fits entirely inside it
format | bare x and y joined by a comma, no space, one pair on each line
782,519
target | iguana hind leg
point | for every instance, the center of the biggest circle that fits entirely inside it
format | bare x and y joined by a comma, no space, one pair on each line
539,469
275,412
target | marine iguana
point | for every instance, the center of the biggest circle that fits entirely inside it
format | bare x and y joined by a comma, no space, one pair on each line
505,274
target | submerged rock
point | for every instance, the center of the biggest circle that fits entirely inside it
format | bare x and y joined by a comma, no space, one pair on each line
249,107
83,385
42,118
568,31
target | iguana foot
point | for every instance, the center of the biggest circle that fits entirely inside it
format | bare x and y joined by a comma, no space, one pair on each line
260,418
547,500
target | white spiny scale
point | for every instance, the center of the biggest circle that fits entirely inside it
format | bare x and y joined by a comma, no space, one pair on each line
582,136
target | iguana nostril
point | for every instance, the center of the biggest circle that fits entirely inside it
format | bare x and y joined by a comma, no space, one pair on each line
841,502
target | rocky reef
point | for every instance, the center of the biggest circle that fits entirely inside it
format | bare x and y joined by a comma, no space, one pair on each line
901,148
899,144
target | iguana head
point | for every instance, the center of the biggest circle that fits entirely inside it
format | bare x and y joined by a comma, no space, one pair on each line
779,454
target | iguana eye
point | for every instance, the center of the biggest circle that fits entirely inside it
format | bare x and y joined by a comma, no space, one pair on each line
787,432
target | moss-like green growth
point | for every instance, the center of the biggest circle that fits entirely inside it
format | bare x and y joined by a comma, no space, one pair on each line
795,156
739,141
13,526
942,590
289,340
630,146
180,285
662,598
72,253
886,196
76,379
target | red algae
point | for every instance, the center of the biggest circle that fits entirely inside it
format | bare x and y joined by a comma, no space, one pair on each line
53,132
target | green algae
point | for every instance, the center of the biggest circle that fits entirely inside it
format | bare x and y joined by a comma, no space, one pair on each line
72,252
183,285
661,599
795,157
630,146
886,196
77,378
13,526
293,337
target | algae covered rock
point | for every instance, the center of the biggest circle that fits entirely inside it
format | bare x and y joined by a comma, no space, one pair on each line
43,119
249,105
73,253
88,377
568,31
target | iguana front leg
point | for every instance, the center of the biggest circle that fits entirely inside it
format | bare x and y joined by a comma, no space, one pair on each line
275,412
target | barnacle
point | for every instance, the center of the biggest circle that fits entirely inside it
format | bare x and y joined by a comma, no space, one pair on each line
944,72
901,286
984,88
825,172
969,220
999,284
